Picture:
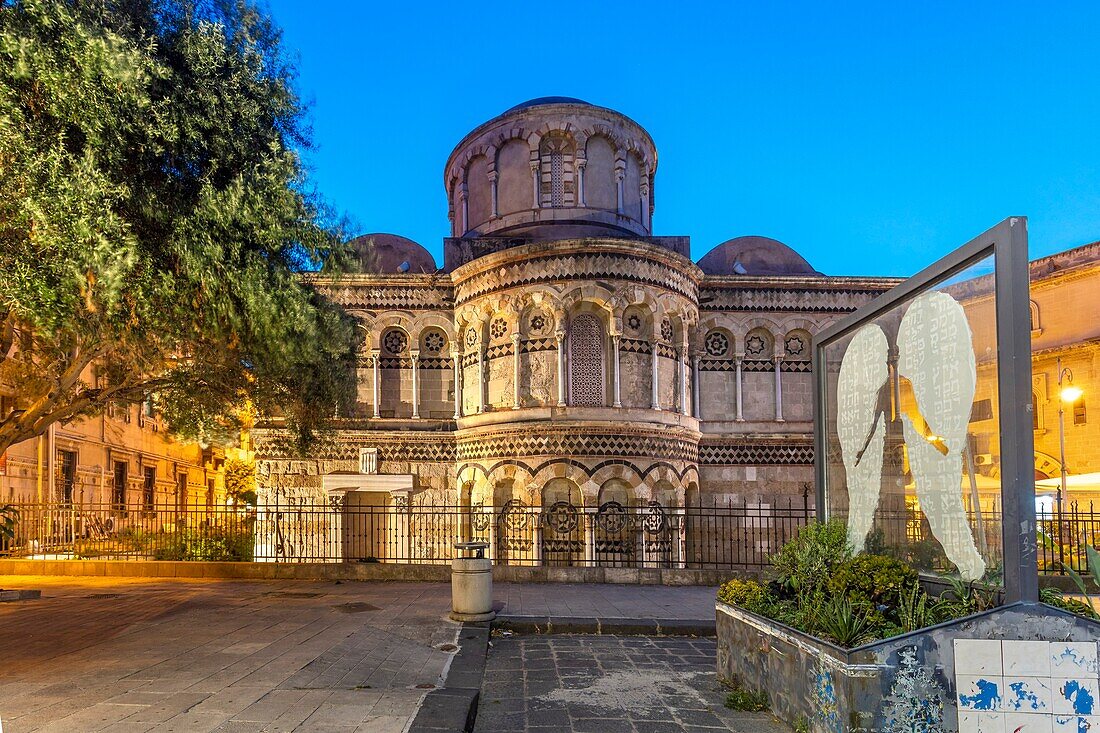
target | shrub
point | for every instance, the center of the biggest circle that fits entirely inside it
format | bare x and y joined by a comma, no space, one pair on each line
747,594
212,545
1054,597
739,698
842,621
873,581
805,563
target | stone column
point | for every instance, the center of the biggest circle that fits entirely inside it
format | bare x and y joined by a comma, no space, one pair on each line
620,176
778,389
681,539
492,512
374,354
695,411
456,356
588,522
581,164
560,336
535,198
399,515
654,381
464,199
536,522
740,401
480,376
415,355
493,192
681,365
515,371
645,201
616,400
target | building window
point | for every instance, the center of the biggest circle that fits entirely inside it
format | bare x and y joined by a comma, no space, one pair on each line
557,186
66,474
586,368
983,410
1079,411
122,475
149,489
1035,422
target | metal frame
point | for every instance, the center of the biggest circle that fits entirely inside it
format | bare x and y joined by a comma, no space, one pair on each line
1007,242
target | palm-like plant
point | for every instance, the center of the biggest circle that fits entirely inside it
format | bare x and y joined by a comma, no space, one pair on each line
8,516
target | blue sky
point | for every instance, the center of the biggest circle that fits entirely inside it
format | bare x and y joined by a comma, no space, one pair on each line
871,137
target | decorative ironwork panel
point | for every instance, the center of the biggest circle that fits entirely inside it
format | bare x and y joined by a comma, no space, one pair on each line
561,517
586,361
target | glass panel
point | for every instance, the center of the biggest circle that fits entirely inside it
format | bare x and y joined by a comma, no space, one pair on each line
912,429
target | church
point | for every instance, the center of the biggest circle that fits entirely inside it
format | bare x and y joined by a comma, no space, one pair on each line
565,361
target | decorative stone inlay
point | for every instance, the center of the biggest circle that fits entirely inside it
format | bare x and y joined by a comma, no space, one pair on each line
431,295
635,346
534,345
498,329
795,346
580,443
538,324
471,337
666,351
495,352
634,322
567,267
434,342
785,300
666,330
395,341
799,365
755,345
391,446
758,365
586,379
742,453
717,344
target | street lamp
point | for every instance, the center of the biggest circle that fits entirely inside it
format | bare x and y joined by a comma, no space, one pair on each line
1067,395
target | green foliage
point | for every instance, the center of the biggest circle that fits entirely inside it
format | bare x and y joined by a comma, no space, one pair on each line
915,611
801,725
738,698
240,481
805,563
872,581
1055,597
9,515
210,544
155,220
748,594
842,621
964,598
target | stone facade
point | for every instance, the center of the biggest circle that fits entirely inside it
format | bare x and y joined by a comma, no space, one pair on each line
563,352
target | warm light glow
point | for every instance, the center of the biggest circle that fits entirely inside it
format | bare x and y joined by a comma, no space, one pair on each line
1071,394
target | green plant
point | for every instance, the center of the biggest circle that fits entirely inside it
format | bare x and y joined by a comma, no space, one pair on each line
801,725
744,700
748,594
806,562
872,581
1055,597
914,610
843,622
9,515
240,481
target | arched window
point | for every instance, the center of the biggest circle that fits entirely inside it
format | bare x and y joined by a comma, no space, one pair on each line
558,187
586,361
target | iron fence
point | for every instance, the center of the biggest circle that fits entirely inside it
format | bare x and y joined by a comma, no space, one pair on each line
713,535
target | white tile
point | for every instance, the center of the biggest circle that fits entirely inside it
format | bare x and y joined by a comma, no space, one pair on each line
976,692
1076,696
1026,695
977,657
1073,659
1029,723
971,722
1068,724
1025,658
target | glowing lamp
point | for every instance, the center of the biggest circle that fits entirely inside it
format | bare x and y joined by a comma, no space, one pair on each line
1071,394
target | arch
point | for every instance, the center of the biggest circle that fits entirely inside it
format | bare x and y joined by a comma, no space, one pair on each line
599,173
394,341
478,194
759,344
433,320
796,345
1036,324
587,361
718,343
557,186
513,166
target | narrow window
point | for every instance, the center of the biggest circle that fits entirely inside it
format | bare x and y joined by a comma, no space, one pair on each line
1079,411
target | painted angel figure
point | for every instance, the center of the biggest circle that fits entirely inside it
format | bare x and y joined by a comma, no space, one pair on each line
936,356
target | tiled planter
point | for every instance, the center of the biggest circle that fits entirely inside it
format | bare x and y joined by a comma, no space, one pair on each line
905,683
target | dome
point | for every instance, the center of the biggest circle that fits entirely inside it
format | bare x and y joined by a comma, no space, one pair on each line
754,256
538,101
389,253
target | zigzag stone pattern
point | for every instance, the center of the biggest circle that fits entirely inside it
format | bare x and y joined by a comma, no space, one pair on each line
740,453
783,300
583,443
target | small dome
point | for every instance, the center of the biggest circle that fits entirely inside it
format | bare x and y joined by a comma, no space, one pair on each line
754,256
537,101
389,253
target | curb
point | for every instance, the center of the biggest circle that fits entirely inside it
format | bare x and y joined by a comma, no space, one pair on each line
593,625
19,595
453,707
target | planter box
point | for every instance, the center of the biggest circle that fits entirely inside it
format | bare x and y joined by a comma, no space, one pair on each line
905,683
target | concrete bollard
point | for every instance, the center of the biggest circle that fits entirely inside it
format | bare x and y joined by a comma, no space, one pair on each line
472,583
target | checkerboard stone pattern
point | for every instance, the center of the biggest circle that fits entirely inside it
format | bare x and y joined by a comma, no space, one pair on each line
1016,686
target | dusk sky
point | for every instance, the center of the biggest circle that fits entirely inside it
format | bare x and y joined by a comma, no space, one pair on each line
870,137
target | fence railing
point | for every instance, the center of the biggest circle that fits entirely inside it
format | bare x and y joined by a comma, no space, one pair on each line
707,536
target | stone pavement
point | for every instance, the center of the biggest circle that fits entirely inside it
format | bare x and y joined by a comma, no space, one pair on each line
133,654
607,684
129,655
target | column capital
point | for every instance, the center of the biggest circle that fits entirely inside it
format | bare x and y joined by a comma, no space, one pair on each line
414,354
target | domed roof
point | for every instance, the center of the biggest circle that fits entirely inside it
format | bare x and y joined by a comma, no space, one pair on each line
390,253
537,101
754,256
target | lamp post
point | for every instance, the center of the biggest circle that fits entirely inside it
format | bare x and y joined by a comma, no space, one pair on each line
1068,394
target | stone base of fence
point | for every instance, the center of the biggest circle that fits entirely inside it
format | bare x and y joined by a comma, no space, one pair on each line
361,571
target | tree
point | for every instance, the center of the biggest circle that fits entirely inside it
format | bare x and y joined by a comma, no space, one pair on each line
155,220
